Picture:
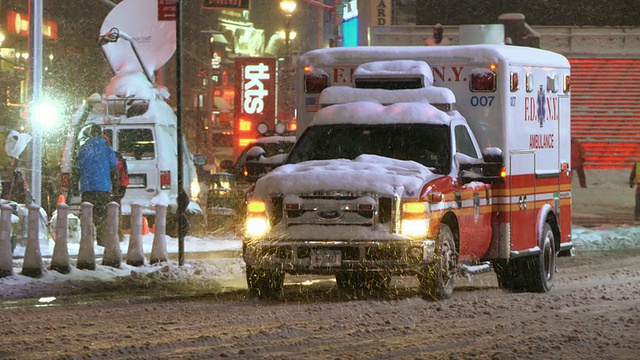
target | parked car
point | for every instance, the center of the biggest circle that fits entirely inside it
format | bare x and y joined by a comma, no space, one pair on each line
227,189
268,151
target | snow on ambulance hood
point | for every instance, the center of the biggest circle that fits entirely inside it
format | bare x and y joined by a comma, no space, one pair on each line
365,173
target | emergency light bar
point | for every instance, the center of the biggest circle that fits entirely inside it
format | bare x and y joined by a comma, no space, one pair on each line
390,83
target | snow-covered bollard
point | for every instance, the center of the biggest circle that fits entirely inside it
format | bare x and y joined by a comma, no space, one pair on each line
32,265
112,253
86,252
135,253
6,265
60,257
159,247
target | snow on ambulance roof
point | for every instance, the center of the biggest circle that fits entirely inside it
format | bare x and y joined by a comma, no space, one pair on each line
396,68
369,112
515,55
344,94
366,173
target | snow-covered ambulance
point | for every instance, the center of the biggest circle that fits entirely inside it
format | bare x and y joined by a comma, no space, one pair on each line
428,161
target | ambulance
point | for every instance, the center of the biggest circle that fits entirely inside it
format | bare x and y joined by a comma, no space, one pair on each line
496,193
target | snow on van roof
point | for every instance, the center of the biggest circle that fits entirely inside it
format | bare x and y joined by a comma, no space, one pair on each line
344,94
396,68
369,112
515,55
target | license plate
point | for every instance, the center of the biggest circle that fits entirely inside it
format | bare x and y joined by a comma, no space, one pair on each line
326,258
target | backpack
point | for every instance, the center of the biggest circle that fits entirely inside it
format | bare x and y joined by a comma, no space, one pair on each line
120,179
122,170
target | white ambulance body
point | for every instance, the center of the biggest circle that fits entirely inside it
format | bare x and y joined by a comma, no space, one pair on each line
501,197
513,98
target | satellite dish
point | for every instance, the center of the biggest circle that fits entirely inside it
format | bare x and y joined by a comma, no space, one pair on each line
154,40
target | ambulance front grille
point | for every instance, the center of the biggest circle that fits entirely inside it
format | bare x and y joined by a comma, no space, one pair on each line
334,209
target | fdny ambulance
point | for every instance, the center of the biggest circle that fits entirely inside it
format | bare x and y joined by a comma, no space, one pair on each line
490,123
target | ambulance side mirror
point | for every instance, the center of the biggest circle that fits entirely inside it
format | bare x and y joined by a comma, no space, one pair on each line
487,171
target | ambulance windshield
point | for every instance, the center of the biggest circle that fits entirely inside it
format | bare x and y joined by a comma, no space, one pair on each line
427,144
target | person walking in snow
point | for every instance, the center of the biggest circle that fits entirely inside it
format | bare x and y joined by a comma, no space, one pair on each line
577,161
96,162
634,180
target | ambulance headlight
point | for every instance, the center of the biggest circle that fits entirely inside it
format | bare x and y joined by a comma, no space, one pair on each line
415,219
257,226
257,223
415,228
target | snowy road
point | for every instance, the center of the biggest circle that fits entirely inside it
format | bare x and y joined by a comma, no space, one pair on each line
592,313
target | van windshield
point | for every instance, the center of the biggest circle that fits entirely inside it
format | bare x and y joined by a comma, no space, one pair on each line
136,144
427,144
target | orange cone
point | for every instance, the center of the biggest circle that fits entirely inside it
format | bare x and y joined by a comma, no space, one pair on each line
145,226
61,199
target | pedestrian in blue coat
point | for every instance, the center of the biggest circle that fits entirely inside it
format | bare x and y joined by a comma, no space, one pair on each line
96,162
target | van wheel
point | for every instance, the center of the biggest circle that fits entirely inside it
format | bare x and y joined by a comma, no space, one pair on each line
263,283
437,279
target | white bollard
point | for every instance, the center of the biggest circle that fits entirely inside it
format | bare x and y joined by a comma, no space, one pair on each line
159,247
60,257
112,253
6,264
135,253
86,252
32,265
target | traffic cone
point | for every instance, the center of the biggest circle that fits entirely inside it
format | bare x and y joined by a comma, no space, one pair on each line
145,226
61,199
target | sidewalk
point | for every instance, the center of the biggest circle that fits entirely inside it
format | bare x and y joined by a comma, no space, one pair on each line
608,199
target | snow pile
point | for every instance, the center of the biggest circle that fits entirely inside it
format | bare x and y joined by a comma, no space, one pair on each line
606,237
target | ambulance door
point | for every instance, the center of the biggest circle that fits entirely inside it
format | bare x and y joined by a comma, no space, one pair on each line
522,200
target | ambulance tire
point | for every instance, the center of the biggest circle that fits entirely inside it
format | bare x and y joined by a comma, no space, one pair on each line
263,283
541,268
437,279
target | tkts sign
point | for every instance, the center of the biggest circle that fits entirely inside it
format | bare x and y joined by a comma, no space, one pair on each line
255,97
225,4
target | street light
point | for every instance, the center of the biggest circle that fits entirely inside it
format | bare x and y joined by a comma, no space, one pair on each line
287,7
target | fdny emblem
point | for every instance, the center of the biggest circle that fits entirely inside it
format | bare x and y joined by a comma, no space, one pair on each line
541,102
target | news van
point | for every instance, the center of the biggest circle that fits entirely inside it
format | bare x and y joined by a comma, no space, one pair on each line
142,127
496,192
136,116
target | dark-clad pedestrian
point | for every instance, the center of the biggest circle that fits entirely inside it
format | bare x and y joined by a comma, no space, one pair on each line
96,162
634,180
577,161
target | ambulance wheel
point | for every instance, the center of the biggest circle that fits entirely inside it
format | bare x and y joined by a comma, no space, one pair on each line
542,267
437,279
263,283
